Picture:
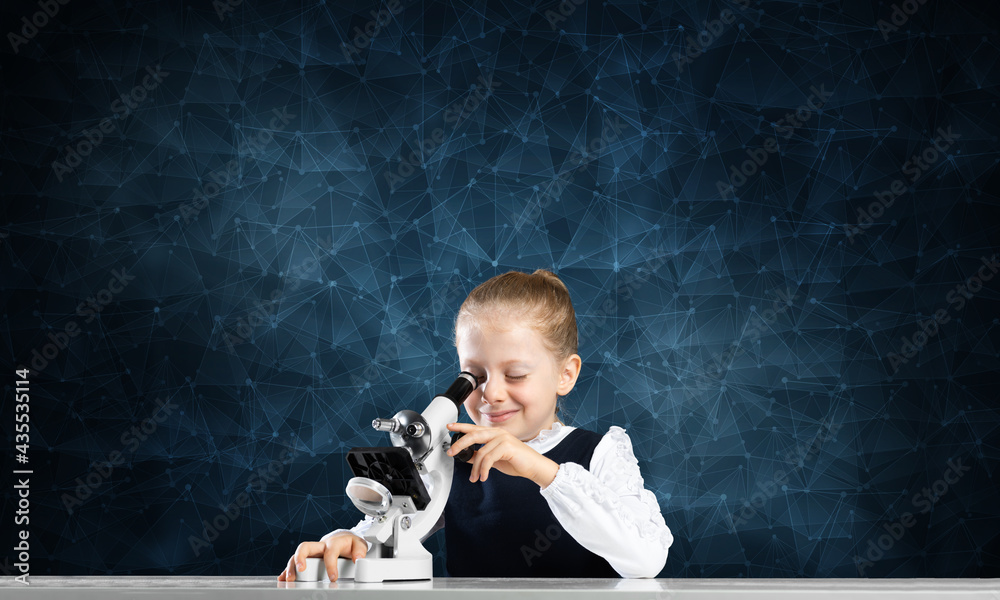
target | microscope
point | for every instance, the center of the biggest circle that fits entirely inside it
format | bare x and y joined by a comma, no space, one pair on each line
387,486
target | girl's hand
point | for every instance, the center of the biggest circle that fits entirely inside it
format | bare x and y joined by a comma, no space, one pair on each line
503,452
330,548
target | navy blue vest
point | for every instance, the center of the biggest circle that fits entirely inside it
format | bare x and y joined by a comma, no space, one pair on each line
503,527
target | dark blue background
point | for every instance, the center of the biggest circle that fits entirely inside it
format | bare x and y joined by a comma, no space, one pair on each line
665,272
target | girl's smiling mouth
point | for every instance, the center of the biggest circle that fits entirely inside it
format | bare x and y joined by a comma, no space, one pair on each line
499,417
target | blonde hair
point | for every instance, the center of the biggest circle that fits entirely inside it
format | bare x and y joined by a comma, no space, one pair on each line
539,300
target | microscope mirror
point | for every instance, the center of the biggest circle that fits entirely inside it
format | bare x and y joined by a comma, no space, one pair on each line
369,496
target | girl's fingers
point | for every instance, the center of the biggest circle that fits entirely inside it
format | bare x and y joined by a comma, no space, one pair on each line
476,459
482,455
466,427
359,548
330,560
484,469
307,550
330,549
289,573
476,437
458,445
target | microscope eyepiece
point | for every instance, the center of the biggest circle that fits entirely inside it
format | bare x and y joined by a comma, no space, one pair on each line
460,389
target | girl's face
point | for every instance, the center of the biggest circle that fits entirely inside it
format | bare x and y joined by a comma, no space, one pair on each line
519,380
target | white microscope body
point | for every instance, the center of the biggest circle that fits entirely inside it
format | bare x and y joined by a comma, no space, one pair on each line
397,552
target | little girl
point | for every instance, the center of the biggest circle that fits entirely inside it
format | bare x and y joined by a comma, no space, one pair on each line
560,501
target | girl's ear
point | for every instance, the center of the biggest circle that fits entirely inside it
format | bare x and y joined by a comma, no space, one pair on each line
569,373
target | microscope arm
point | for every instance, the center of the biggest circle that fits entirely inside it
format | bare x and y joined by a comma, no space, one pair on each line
397,534
437,464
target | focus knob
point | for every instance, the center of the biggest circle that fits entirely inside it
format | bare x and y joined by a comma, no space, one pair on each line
466,454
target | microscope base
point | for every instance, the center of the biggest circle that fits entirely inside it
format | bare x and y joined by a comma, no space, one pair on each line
376,570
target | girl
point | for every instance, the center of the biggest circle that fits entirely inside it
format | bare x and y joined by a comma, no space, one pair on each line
539,498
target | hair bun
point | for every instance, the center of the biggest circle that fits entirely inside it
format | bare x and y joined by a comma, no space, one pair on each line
552,277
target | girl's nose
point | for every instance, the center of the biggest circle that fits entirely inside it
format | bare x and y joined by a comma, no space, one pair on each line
493,392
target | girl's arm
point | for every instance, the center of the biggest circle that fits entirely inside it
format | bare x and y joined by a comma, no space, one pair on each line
608,511
359,530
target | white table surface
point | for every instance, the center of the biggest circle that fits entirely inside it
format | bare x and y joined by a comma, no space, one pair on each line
251,588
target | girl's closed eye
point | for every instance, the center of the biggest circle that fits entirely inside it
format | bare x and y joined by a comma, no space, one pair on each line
518,377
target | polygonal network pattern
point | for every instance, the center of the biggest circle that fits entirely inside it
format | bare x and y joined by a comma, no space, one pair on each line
233,233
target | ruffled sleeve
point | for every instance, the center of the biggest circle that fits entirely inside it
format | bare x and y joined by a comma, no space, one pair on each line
608,510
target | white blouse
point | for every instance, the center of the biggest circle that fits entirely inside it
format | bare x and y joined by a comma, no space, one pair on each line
606,509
